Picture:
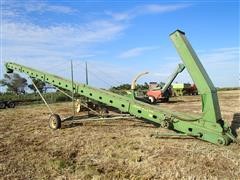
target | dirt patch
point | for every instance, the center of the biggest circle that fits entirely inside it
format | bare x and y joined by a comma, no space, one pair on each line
112,150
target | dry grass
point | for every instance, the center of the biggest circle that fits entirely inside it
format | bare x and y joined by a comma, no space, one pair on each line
111,150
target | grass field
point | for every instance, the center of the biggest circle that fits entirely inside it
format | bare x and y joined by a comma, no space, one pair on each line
114,149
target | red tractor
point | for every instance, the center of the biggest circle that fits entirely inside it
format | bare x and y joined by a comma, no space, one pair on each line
156,94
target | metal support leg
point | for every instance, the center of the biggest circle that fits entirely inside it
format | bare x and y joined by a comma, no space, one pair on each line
85,105
42,97
54,119
73,103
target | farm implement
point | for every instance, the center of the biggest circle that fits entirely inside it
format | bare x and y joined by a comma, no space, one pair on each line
163,94
9,104
209,126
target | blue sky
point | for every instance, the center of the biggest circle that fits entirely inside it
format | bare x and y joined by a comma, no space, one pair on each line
120,39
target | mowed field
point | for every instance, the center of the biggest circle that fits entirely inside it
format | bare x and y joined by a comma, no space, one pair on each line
112,149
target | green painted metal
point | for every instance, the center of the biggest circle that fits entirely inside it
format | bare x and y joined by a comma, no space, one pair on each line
210,105
178,70
179,88
209,127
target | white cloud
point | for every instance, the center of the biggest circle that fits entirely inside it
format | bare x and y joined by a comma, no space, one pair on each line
37,6
221,55
136,51
157,8
146,9
221,64
51,48
14,8
25,39
60,35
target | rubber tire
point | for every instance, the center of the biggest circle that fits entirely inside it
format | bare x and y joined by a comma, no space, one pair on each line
54,121
2,105
152,100
11,104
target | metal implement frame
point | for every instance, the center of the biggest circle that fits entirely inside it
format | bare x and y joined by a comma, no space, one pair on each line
210,105
44,100
209,127
179,69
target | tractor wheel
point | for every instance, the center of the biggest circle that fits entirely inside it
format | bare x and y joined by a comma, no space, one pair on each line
152,100
165,124
2,105
55,121
11,104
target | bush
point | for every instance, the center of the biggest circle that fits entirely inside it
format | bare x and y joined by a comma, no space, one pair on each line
228,88
34,97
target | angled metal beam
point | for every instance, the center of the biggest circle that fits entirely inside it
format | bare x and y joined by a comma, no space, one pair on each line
210,105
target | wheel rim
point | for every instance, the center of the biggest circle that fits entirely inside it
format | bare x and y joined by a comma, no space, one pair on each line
151,99
53,123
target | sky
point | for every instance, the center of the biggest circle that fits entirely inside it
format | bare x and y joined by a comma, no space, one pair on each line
119,39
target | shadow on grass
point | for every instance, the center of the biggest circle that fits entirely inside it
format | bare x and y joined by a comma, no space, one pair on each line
103,124
174,101
71,125
71,122
235,124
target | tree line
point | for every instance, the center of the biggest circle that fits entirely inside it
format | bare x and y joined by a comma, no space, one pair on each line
17,84
14,83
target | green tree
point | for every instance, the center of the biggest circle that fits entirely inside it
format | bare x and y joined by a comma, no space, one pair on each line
142,86
40,85
123,88
14,83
